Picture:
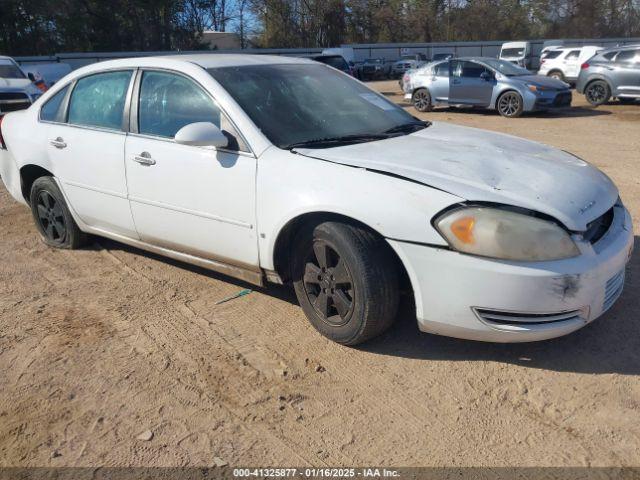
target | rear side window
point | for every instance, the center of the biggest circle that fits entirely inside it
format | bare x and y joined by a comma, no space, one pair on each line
627,56
98,100
610,55
572,54
551,54
51,110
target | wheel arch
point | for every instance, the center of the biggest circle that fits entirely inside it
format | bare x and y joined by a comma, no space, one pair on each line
28,174
500,93
284,239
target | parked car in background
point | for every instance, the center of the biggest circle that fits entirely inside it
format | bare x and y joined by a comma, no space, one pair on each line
374,69
355,200
406,63
564,63
611,73
517,52
484,82
17,89
442,56
335,61
49,72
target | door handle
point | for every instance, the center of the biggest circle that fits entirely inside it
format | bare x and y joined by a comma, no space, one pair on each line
144,159
58,143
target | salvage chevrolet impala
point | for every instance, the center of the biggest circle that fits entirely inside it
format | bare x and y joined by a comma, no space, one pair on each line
287,170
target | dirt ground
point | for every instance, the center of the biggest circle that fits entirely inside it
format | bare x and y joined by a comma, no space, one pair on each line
104,345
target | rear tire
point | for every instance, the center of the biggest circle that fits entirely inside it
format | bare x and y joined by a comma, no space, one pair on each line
510,104
421,99
53,220
346,280
597,92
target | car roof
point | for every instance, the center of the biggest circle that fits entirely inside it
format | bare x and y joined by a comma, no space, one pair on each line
621,47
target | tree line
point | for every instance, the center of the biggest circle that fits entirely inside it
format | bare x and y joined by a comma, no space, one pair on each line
40,27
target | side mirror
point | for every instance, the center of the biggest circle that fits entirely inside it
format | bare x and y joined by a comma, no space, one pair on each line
201,134
486,76
31,76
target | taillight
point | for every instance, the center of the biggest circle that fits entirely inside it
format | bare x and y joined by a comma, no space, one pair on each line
584,66
2,145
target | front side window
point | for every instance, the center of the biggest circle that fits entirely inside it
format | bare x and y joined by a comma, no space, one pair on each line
98,100
51,110
168,102
551,54
442,69
299,103
472,69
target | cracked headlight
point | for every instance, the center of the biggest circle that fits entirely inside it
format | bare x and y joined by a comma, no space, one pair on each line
504,234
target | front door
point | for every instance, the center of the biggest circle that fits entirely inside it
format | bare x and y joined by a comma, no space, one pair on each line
470,84
195,200
86,145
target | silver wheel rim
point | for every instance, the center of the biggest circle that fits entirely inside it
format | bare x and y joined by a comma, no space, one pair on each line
421,100
509,104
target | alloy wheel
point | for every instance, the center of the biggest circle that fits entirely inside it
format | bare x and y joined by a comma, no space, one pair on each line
51,217
421,100
596,93
509,104
328,285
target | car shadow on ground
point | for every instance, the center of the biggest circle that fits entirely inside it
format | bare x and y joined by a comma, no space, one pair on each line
611,344
573,112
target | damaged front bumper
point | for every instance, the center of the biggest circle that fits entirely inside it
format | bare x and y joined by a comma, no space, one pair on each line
476,298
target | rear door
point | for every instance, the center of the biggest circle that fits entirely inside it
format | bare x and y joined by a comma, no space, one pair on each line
195,200
86,139
572,64
626,78
439,82
470,84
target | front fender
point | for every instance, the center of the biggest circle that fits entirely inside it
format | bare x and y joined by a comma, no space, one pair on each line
290,185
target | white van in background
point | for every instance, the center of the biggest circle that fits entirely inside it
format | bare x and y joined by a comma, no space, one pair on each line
517,52
564,63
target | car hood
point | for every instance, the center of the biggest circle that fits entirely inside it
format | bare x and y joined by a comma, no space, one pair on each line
478,165
15,83
541,81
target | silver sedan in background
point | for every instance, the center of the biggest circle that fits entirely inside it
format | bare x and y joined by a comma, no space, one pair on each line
484,82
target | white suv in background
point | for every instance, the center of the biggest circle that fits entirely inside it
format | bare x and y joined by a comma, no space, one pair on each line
564,63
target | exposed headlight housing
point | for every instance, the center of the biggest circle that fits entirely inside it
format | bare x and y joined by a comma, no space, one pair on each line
505,234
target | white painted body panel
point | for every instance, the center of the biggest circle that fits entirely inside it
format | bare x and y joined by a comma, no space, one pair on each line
203,205
194,199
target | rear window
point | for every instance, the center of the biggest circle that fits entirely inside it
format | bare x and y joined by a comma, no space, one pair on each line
335,62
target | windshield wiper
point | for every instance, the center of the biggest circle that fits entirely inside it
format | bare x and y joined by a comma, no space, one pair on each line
408,127
333,141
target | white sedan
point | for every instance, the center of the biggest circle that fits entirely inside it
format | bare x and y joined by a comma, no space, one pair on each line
286,170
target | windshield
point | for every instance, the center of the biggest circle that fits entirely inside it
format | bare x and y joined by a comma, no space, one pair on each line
506,68
335,62
512,52
299,103
10,70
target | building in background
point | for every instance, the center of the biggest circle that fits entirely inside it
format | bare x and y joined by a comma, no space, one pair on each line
220,40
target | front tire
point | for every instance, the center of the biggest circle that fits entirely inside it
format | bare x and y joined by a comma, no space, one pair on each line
510,105
597,93
346,281
421,99
53,220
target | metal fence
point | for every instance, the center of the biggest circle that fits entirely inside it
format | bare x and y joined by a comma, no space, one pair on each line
388,51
